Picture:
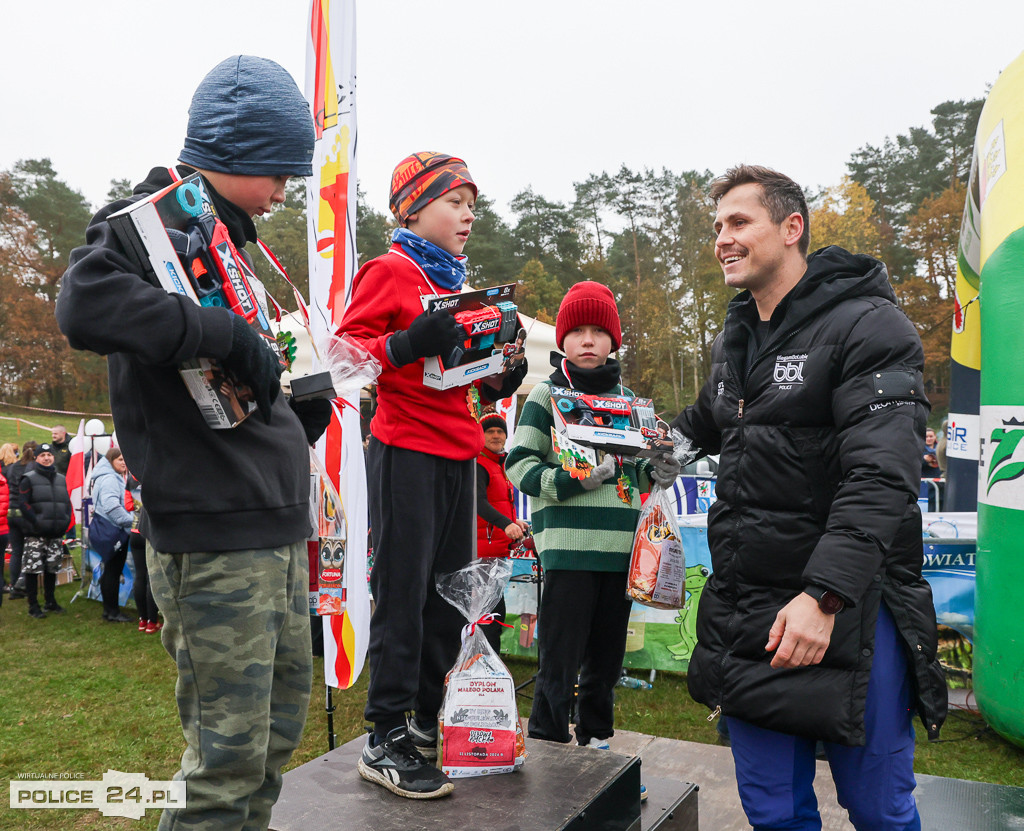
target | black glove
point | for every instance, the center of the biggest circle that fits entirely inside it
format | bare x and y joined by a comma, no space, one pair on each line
251,361
314,414
513,380
429,334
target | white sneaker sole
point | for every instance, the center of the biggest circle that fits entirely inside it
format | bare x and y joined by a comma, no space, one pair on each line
372,775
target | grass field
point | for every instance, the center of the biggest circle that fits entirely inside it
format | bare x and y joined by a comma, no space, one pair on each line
19,425
81,696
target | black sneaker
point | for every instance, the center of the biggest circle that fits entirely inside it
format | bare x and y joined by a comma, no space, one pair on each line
397,765
118,618
16,594
54,607
425,741
36,612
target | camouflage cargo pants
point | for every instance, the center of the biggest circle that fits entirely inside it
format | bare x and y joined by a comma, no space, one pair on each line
237,626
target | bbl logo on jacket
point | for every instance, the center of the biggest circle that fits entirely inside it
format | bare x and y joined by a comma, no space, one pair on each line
789,370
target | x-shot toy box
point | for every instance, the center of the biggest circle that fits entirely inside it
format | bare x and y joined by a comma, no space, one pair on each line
177,242
612,423
494,336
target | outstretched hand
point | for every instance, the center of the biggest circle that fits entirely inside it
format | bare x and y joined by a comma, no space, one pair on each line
801,633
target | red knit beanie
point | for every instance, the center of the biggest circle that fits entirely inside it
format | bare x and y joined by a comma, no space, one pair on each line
588,303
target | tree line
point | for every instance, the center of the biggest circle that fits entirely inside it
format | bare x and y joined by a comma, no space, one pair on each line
647,234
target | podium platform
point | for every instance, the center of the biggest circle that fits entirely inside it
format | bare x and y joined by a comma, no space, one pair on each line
559,787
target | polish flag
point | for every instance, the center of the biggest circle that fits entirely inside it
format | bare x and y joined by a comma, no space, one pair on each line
76,469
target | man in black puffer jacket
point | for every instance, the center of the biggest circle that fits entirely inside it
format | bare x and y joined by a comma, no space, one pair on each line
816,623
45,516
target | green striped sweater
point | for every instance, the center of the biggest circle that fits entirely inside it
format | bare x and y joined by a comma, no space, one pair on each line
575,529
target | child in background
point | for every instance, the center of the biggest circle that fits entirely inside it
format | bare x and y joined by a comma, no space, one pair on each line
583,529
497,526
420,466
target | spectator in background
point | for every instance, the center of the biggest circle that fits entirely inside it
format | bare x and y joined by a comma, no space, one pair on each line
930,467
5,502
940,448
8,456
61,449
14,473
110,528
929,459
497,527
45,515
143,592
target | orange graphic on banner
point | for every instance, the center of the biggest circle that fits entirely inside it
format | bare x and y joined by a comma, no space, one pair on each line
325,96
332,217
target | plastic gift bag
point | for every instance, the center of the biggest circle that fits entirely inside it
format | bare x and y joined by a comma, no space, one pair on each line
657,565
478,726
350,365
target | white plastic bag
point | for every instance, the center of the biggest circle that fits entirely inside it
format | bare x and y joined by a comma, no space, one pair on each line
350,365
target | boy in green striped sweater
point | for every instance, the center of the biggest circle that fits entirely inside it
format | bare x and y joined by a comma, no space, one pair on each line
583,529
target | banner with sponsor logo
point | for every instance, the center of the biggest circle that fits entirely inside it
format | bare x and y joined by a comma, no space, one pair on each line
998,185
331,213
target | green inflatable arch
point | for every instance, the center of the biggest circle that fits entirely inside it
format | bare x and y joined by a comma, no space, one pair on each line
997,187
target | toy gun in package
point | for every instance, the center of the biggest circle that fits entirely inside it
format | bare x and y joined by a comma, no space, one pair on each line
178,242
494,336
213,266
612,423
483,327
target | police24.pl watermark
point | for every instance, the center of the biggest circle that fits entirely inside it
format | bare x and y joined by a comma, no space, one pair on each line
118,794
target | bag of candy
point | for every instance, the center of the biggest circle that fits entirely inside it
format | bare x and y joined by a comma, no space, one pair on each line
657,565
478,725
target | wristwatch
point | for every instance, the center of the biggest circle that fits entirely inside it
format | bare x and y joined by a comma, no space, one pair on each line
828,601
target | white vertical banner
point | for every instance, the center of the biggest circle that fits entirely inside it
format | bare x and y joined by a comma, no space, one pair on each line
331,218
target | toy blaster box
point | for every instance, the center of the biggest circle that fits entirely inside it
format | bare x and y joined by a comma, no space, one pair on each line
494,337
612,423
178,243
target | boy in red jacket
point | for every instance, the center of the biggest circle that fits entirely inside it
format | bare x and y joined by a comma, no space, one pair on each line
420,465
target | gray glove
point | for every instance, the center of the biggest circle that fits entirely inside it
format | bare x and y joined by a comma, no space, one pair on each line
664,469
600,474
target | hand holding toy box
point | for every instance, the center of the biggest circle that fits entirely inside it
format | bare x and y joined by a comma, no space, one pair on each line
612,423
494,336
178,243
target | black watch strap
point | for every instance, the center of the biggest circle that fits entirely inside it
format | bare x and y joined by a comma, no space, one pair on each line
828,601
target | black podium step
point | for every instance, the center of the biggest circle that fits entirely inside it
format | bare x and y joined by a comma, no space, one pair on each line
559,787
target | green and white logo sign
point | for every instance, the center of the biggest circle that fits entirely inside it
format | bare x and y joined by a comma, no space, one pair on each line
1001,466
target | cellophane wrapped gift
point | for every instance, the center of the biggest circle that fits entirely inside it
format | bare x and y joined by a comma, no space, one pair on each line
657,565
479,728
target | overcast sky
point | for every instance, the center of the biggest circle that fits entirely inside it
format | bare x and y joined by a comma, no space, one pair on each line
530,93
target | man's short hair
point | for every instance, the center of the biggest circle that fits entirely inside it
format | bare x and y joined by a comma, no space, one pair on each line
780,195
